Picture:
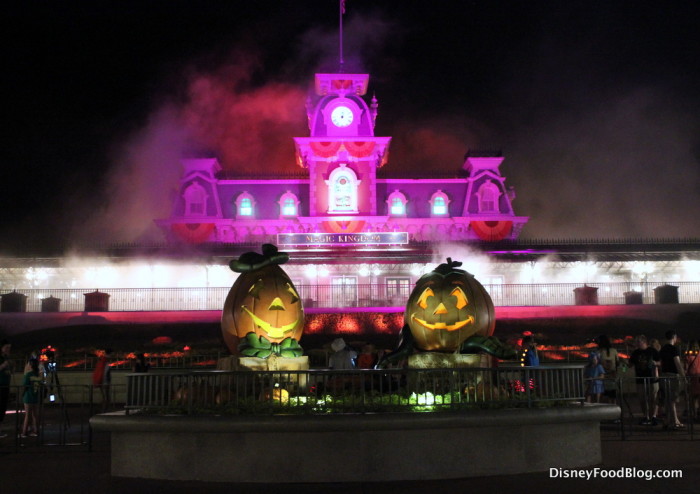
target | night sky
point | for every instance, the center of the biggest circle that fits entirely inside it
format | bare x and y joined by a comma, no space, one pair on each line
595,105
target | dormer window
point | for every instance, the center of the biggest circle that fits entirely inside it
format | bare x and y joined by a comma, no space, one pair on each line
439,203
342,190
488,195
195,200
289,204
245,205
397,203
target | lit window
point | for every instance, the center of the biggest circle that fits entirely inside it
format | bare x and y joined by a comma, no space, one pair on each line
342,190
343,193
439,206
289,204
246,208
289,208
397,203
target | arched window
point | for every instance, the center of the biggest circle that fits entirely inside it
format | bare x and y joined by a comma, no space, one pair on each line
439,203
289,208
245,205
195,200
289,204
397,203
342,190
488,195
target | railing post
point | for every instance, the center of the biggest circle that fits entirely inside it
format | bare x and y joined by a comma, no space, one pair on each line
190,392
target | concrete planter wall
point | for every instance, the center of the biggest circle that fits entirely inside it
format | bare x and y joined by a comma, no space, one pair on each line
351,448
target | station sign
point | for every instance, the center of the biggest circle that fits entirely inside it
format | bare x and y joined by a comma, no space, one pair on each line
359,238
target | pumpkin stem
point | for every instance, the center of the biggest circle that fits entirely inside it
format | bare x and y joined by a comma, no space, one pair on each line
250,261
448,267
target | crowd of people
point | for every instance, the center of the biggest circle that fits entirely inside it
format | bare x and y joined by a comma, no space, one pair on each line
660,373
37,383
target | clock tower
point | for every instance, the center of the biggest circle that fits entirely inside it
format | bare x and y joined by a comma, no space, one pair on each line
342,153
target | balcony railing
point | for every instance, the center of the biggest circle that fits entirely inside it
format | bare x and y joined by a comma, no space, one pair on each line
348,295
356,391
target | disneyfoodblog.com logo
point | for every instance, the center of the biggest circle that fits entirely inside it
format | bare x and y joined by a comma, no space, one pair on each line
613,473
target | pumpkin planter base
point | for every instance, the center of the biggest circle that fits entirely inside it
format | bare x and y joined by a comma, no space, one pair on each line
434,360
351,447
273,363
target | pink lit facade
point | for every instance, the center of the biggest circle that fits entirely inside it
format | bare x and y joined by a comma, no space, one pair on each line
338,196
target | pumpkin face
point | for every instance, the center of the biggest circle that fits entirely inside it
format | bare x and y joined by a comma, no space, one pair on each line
446,307
265,302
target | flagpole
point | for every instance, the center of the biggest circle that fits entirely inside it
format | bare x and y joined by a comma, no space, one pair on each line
341,8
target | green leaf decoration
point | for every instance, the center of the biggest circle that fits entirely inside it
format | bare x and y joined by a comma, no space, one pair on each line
249,352
253,345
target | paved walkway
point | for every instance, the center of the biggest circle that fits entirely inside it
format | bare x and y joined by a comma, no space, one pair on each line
73,469
88,472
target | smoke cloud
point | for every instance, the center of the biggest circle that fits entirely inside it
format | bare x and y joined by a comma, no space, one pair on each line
592,154
621,169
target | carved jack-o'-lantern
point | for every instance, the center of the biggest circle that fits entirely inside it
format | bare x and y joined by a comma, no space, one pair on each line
446,307
263,311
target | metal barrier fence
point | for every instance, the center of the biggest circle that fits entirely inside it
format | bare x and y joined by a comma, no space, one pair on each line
349,295
356,391
654,399
63,415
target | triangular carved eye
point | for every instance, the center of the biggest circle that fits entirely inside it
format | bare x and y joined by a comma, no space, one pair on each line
423,299
277,304
295,295
461,297
254,291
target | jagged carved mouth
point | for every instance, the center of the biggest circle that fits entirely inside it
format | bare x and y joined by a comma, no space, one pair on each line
443,325
273,331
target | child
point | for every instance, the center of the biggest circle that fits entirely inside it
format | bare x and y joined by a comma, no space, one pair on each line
594,374
32,390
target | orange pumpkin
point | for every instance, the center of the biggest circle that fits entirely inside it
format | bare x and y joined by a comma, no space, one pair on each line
446,307
262,301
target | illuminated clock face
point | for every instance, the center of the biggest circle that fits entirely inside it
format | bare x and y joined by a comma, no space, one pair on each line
341,116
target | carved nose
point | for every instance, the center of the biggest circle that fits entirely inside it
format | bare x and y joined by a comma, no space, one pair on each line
277,304
441,309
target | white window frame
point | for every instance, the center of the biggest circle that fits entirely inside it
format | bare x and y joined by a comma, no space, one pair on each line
343,171
239,205
488,194
196,198
394,198
433,203
286,197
